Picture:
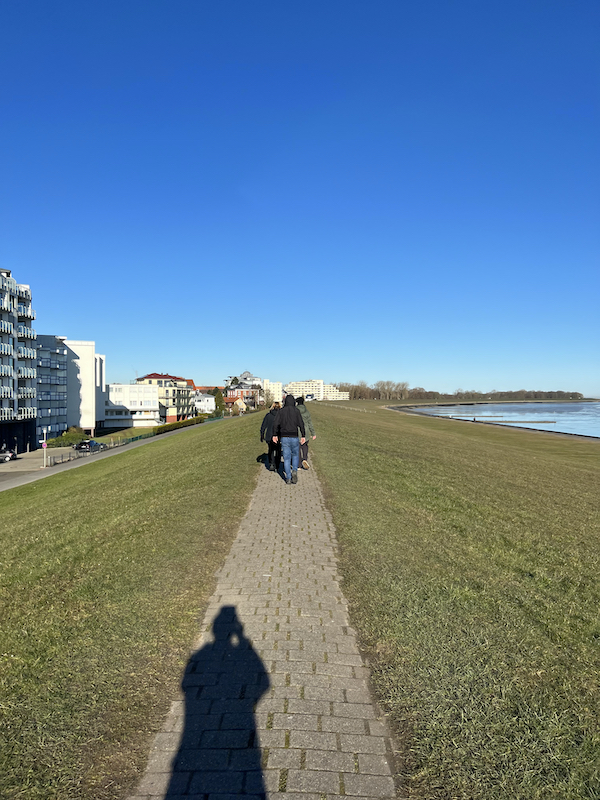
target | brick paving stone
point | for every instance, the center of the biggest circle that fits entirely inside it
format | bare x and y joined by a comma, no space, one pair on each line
333,762
275,697
313,781
368,785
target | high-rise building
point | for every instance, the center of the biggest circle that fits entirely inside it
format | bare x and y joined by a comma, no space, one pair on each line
18,362
86,386
51,386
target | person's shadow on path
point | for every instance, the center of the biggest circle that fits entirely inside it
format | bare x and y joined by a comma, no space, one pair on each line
219,751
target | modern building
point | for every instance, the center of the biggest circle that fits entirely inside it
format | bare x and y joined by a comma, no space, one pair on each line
86,386
18,365
133,406
315,390
174,393
51,387
272,390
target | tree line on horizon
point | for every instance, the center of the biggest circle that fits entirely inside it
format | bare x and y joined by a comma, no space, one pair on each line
400,390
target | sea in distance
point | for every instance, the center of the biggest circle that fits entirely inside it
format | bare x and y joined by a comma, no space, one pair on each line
582,419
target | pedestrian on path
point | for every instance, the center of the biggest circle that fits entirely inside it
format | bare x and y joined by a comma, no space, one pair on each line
288,423
266,435
309,427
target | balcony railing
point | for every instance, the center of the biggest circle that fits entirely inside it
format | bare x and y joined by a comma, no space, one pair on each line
49,363
51,380
52,412
26,372
8,284
59,396
6,370
6,326
7,413
26,391
26,352
24,292
7,391
6,303
6,349
27,412
25,311
23,332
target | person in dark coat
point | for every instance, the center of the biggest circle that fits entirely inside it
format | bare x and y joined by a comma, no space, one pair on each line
310,430
288,423
266,435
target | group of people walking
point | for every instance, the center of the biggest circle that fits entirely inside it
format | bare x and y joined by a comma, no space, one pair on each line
286,431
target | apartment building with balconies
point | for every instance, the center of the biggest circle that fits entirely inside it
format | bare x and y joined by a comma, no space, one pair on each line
18,365
177,395
51,386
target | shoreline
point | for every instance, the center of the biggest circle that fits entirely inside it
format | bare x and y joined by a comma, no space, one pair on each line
413,410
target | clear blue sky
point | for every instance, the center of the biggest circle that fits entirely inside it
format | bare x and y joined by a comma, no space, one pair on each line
336,189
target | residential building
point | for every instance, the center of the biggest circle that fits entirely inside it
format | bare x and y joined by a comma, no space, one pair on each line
51,387
235,402
133,406
248,389
18,365
315,390
86,385
205,403
174,393
272,390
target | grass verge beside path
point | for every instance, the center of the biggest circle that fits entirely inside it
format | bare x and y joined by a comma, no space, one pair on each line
471,561
104,573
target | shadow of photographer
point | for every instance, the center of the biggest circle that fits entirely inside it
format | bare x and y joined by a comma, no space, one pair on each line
219,752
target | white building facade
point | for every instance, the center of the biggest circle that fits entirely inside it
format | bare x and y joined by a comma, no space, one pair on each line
205,403
133,406
273,390
315,390
18,365
86,385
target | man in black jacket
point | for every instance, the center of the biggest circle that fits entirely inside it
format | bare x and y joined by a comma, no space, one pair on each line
287,423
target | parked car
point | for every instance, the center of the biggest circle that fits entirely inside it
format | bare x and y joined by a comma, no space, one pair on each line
89,446
7,455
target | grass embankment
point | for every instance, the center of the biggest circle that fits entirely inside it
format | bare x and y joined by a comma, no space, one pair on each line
471,560
125,433
105,570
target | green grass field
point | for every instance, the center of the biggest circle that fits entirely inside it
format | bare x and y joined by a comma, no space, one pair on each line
470,556
104,573
471,560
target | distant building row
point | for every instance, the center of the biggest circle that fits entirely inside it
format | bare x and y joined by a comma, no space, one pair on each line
49,383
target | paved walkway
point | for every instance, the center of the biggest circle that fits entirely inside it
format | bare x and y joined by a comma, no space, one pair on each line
274,700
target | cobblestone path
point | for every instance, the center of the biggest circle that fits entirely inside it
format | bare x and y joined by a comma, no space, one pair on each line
274,701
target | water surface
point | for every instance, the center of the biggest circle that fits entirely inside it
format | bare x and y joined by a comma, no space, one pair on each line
579,418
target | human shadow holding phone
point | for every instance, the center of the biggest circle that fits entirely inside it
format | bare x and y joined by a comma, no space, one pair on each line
219,751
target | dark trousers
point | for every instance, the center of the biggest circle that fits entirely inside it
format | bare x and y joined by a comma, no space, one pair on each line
304,452
274,454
